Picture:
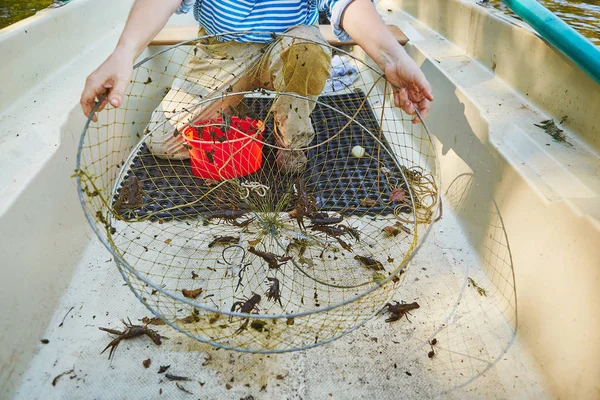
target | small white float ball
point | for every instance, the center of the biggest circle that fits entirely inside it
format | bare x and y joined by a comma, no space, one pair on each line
358,151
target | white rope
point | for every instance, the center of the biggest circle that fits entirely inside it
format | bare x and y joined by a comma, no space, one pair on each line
255,187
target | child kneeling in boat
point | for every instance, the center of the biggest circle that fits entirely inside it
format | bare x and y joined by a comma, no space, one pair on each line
244,57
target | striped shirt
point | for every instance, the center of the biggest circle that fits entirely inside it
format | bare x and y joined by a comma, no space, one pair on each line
262,16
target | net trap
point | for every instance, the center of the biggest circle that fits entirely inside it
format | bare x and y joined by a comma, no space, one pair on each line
252,205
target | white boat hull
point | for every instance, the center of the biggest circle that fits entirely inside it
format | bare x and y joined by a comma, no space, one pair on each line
521,219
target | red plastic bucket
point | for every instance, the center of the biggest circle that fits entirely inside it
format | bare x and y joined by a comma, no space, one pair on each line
219,155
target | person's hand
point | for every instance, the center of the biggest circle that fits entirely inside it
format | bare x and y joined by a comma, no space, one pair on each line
112,76
411,88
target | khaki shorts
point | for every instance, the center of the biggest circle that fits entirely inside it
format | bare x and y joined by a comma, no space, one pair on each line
298,63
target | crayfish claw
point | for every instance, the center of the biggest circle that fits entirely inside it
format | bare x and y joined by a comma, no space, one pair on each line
113,346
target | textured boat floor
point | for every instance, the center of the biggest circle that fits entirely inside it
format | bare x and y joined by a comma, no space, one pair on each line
477,353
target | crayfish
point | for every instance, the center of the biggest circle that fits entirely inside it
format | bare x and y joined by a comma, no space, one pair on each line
399,310
246,307
274,291
130,332
230,216
273,260
306,205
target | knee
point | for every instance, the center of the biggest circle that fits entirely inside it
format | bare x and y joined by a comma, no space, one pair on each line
306,68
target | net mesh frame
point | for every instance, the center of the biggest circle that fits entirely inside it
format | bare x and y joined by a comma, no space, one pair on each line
324,295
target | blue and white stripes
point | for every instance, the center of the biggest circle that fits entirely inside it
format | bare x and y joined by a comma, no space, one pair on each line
221,16
185,6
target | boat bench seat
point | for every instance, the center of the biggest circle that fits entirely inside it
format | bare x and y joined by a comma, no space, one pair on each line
171,35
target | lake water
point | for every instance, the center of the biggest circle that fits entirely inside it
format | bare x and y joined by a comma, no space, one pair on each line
584,16
12,11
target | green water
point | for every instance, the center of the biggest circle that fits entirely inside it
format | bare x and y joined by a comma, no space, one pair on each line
583,16
12,11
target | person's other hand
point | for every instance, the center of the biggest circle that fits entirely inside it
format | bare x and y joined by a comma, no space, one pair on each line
112,76
411,88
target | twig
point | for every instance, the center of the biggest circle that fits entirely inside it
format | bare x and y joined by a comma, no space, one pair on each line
63,320
182,388
55,380
177,378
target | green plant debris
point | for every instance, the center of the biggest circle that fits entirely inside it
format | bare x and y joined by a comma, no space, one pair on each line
307,261
378,277
480,290
551,129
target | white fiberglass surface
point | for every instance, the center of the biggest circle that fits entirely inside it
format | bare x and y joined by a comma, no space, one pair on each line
467,303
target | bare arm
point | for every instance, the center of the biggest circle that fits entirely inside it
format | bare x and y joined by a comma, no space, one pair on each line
362,21
146,19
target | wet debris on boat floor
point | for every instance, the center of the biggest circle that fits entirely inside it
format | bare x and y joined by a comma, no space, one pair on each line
432,343
550,127
163,369
394,230
191,294
175,378
57,377
369,262
65,317
182,388
479,289
207,360
172,377
153,321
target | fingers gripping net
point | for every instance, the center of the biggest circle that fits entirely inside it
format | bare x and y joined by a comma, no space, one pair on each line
271,260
